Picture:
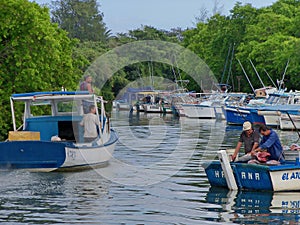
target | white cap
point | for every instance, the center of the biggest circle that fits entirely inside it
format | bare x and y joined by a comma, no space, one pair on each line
247,126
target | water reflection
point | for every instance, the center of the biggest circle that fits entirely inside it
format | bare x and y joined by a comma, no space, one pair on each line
145,119
255,207
35,198
154,178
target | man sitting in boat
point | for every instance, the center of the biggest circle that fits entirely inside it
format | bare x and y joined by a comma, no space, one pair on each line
90,123
250,138
271,143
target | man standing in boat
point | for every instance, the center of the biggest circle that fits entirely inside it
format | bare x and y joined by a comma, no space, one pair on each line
86,85
271,143
90,123
250,138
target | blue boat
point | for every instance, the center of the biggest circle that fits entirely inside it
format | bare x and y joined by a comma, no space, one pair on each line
260,113
285,177
51,137
238,115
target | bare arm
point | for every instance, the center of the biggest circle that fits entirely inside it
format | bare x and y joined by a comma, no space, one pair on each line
89,87
255,148
237,149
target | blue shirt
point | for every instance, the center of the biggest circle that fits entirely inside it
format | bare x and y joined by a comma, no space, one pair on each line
272,143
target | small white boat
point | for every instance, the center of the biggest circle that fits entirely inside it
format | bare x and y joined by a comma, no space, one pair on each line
51,137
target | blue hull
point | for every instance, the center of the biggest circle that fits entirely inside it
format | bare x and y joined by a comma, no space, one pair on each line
215,174
247,176
31,154
238,116
251,176
255,118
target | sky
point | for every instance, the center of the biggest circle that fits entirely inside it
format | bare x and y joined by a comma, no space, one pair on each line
120,16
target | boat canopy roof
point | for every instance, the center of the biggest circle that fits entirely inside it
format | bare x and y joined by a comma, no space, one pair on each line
51,95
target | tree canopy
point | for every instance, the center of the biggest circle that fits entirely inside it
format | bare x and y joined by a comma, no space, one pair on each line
268,36
42,51
81,18
35,54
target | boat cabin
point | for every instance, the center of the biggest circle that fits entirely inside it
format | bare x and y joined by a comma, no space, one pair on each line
53,114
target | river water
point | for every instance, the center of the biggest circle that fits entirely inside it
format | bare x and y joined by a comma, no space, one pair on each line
155,177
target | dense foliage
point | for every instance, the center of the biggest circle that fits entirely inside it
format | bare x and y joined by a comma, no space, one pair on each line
35,55
81,19
43,52
269,37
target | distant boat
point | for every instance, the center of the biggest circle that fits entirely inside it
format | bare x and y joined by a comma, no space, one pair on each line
129,99
51,137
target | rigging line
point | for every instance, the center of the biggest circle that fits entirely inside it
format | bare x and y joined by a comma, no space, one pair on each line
142,80
270,79
230,65
285,69
294,125
175,76
232,81
178,71
225,65
246,75
257,73
150,73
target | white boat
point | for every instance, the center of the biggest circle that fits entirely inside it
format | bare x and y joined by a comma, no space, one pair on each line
200,111
51,137
285,122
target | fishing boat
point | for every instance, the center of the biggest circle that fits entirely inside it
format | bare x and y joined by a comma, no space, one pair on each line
236,175
51,135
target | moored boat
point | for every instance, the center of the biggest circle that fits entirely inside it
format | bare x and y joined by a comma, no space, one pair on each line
51,136
289,122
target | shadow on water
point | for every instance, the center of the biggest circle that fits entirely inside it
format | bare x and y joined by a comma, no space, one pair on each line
249,207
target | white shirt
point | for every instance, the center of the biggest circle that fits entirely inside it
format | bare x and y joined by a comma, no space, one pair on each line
90,123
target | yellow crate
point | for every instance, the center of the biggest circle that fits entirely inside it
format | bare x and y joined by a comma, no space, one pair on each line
23,136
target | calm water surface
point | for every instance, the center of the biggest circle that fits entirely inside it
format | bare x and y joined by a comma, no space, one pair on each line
155,177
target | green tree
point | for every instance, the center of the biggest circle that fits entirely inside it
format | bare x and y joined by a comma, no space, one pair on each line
35,55
81,18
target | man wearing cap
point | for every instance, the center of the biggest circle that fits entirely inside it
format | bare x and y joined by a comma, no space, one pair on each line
250,138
